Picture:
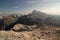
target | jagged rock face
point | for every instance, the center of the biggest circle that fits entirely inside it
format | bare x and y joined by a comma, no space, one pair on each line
8,21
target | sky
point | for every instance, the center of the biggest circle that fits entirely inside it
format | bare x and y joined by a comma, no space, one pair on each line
26,6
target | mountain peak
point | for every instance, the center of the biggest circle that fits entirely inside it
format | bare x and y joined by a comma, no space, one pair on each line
35,11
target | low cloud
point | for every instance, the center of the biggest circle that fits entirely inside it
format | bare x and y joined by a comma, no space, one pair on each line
55,10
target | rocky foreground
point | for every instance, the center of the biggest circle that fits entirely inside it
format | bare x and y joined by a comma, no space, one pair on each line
36,34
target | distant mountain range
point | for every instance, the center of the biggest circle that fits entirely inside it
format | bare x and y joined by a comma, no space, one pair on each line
36,17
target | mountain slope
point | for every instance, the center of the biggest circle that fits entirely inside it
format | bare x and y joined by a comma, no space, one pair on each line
36,17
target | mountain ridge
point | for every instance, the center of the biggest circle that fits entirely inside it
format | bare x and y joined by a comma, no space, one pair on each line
36,17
